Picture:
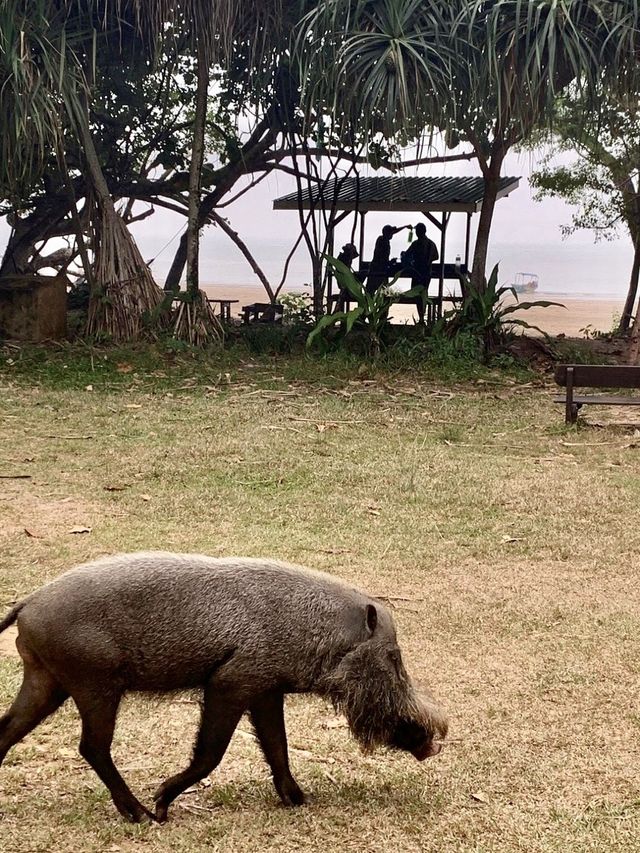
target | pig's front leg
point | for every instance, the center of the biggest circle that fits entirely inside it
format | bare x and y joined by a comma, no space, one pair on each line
267,716
221,714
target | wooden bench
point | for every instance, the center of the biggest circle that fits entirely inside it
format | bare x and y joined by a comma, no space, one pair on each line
225,307
572,376
262,312
434,306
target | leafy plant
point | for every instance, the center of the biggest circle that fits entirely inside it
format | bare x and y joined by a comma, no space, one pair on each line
484,315
371,311
297,309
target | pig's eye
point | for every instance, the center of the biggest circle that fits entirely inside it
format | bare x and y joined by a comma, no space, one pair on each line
394,657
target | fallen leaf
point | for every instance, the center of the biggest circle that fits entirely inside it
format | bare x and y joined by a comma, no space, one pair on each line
116,488
88,387
479,797
506,539
133,405
80,530
31,534
145,497
123,367
373,511
335,723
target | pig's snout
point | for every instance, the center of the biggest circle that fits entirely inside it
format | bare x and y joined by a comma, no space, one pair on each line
427,750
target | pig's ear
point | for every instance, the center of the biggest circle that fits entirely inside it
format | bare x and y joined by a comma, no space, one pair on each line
371,618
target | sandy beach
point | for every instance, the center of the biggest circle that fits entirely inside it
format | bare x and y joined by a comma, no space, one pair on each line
575,316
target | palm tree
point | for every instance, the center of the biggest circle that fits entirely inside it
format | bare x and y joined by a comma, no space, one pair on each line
512,61
44,92
375,66
484,71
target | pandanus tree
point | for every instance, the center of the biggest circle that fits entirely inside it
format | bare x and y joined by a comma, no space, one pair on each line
46,64
513,60
482,71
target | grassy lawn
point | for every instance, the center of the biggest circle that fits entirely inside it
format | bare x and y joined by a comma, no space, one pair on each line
506,544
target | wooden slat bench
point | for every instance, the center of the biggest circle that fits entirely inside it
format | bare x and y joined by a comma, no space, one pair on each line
262,312
572,376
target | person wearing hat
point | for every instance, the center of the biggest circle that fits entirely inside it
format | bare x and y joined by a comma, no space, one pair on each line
379,268
347,255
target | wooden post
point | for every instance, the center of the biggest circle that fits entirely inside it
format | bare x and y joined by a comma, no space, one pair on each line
571,413
443,246
361,249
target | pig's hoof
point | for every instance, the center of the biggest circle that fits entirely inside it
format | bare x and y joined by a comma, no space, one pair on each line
138,814
292,795
162,810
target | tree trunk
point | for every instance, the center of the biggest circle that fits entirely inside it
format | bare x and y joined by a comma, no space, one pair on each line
124,292
195,172
43,223
250,158
627,314
195,321
629,188
491,185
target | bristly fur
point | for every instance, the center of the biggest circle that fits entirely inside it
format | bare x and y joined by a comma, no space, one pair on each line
371,688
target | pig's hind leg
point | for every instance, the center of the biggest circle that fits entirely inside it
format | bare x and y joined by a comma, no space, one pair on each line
221,713
98,710
267,716
39,696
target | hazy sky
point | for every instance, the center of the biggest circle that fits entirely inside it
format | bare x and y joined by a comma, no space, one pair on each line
525,237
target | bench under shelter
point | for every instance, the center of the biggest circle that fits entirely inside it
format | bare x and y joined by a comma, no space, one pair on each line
436,198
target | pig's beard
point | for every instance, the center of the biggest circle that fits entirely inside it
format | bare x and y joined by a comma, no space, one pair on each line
375,699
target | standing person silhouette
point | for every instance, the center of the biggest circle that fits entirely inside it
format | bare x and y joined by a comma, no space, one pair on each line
418,259
379,267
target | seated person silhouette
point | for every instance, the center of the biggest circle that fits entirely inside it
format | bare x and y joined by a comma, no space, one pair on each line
347,255
418,259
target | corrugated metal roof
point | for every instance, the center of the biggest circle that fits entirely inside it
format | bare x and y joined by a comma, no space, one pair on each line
397,193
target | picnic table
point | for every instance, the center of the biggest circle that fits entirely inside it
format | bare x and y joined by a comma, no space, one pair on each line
262,312
225,307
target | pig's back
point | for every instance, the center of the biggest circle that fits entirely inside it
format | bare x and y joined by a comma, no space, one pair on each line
166,620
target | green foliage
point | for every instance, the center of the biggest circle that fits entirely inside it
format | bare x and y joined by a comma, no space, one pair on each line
371,311
40,73
484,315
297,309
603,180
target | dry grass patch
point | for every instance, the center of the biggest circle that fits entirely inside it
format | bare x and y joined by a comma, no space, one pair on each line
506,544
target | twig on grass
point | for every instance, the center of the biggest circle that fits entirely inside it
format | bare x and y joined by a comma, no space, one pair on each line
317,421
69,437
283,428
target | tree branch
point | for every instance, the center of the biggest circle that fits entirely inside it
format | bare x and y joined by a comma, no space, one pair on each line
235,237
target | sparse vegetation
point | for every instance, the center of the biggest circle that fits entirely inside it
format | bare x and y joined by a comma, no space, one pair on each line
505,542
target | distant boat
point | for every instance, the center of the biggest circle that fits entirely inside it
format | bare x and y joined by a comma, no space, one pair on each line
525,282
